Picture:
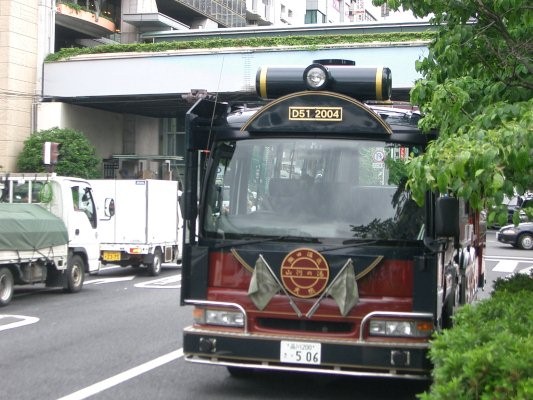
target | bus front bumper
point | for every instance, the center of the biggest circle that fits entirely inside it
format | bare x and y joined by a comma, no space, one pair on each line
303,354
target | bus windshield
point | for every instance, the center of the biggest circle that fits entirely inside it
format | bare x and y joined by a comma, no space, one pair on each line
303,187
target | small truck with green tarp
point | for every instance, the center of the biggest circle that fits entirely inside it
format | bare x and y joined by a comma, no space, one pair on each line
48,232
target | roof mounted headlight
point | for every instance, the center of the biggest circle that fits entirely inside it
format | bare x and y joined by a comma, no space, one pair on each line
316,77
361,83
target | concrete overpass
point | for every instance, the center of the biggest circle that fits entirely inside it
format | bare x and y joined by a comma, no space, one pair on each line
131,106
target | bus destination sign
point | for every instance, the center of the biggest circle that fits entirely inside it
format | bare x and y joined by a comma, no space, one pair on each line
315,113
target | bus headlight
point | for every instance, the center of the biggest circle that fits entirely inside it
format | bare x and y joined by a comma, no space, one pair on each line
316,77
218,317
400,328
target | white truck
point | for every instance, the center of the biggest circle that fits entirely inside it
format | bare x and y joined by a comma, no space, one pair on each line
48,232
144,229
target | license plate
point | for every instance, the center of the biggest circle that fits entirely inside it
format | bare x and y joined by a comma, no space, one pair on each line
111,255
300,352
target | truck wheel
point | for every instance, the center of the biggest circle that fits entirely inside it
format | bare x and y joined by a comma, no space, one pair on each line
75,274
154,268
6,286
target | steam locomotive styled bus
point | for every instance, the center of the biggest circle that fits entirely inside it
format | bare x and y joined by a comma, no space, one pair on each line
303,250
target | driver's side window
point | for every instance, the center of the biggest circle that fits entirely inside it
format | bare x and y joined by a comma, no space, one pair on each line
82,201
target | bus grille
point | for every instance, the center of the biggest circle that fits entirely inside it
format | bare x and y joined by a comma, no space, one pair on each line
305,326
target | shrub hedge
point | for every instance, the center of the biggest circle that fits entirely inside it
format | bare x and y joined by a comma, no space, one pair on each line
488,354
305,41
77,156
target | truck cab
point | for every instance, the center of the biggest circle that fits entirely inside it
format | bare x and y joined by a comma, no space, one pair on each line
70,199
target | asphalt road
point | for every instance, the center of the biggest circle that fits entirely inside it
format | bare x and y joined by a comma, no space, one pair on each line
120,338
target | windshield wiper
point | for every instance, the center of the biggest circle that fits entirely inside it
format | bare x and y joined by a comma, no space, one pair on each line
306,239
349,243
355,241
242,242
283,238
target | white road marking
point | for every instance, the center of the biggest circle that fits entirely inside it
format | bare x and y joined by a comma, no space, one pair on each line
505,266
526,270
101,281
124,376
111,266
22,320
497,258
162,283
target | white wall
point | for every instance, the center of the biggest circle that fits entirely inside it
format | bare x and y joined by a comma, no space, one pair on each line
103,129
146,135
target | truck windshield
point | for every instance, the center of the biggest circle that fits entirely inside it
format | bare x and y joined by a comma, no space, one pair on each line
315,188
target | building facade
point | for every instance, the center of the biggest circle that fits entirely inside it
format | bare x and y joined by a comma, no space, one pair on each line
30,30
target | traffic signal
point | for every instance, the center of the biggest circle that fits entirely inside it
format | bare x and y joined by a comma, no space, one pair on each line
50,153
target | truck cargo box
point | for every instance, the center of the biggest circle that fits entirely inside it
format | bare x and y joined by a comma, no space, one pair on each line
29,227
145,210
139,222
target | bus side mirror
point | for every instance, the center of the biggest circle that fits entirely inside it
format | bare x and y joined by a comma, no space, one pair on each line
447,217
109,207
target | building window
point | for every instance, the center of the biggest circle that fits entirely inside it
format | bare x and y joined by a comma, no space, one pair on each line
111,166
173,137
173,144
314,17
229,13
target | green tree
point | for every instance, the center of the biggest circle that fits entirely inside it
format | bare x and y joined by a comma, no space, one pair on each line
77,156
476,90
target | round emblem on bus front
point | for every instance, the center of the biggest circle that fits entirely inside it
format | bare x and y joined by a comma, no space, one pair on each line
304,273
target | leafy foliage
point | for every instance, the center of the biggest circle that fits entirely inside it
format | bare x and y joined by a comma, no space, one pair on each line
77,157
72,4
255,42
477,91
514,284
488,354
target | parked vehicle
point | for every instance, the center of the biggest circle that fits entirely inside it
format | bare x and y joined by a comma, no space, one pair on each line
520,236
48,232
144,229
